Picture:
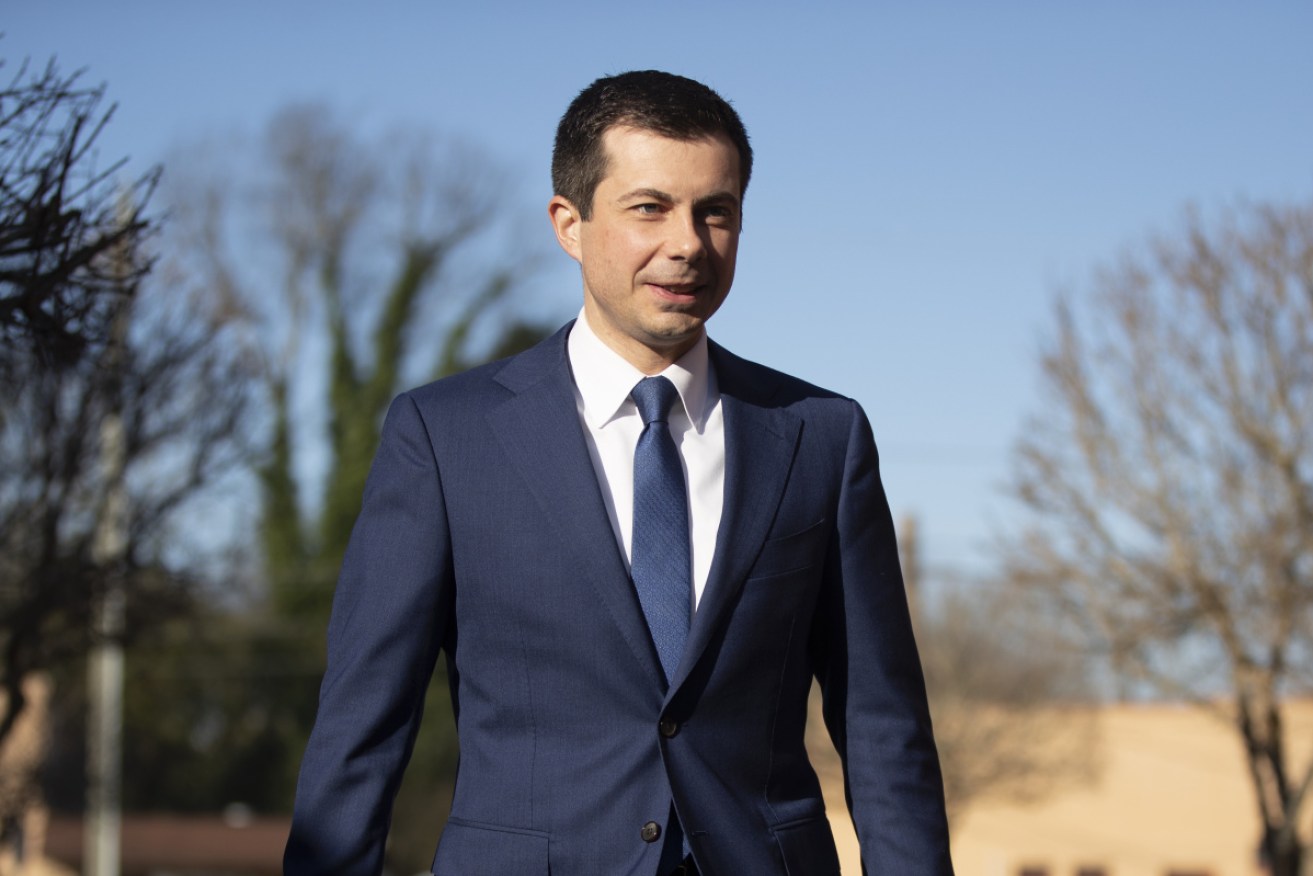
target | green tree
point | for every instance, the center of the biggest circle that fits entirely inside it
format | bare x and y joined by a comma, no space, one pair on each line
226,735
360,267
1170,484
381,264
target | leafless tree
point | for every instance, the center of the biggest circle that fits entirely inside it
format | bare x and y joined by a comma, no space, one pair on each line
1009,698
62,215
1170,483
1012,721
86,334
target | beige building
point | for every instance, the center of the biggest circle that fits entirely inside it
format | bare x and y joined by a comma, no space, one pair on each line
1169,796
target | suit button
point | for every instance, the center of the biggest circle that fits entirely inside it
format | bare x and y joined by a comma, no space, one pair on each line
669,728
651,832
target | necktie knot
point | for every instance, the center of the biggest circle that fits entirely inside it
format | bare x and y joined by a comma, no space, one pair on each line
654,396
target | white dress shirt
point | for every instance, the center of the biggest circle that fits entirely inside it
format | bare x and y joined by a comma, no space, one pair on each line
602,383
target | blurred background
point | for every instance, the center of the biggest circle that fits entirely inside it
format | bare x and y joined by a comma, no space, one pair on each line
1061,253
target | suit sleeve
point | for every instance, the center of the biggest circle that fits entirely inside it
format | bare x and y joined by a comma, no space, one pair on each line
870,674
390,615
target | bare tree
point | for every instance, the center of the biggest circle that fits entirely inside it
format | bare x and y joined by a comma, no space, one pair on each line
1009,698
1170,480
85,336
62,216
1011,720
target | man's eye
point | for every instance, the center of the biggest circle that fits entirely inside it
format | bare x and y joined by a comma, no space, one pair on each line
648,208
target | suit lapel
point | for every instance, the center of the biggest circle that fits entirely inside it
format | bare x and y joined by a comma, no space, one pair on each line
540,430
760,441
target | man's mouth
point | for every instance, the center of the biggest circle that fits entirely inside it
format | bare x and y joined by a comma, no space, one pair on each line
679,288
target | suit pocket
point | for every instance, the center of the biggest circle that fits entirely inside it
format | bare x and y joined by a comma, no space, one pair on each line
791,553
808,848
472,849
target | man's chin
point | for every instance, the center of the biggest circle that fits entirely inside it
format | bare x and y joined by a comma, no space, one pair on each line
673,332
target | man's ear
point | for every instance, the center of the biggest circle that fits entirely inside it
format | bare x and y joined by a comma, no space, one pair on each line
566,222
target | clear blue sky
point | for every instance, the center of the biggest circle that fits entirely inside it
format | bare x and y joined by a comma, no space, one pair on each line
928,175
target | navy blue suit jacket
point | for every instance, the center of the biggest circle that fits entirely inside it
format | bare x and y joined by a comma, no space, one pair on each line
483,533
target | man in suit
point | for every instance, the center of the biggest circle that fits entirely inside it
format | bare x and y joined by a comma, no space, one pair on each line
637,550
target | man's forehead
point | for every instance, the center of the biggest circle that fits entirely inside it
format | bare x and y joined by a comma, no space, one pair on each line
624,129
643,147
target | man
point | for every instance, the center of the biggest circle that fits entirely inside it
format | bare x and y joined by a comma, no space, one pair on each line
553,520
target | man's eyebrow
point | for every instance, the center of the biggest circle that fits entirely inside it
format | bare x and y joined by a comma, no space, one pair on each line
725,198
653,194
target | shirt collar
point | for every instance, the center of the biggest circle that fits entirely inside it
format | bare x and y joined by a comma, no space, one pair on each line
604,379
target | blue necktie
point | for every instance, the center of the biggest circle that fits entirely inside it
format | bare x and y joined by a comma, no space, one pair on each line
661,564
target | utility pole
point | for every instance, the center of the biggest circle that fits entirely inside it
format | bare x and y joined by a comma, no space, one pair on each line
102,854
105,669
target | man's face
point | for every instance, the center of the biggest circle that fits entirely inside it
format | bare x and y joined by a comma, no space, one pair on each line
658,253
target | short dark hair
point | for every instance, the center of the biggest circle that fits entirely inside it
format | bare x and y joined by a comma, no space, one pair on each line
666,104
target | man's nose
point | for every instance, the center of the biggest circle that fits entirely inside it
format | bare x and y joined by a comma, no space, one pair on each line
686,240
